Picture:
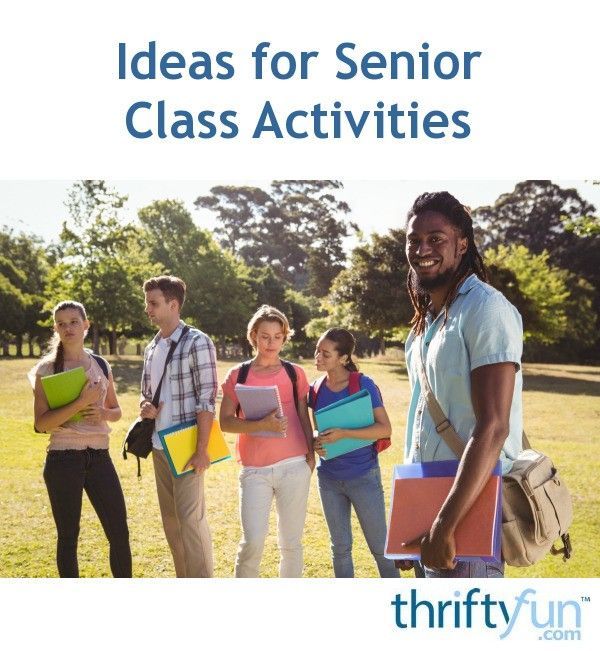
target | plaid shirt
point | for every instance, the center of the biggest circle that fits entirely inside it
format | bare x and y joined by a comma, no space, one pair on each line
192,372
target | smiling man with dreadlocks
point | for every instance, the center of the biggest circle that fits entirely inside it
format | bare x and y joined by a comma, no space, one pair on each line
471,339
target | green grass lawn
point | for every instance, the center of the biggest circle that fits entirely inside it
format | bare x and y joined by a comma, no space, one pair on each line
562,408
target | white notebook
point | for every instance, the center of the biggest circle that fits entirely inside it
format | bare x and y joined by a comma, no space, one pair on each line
257,402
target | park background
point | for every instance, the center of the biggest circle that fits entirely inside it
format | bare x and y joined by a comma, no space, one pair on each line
297,245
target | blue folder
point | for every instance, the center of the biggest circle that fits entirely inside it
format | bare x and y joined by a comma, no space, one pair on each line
353,412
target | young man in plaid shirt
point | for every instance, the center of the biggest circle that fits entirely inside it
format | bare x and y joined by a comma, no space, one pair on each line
188,393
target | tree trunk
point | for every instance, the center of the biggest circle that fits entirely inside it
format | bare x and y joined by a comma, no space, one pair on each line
95,339
112,342
30,342
5,351
381,344
19,344
138,349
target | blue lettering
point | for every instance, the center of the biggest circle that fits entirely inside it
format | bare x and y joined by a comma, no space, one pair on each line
166,65
430,123
227,122
466,129
129,120
339,52
122,54
150,55
267,122
373,61
289,124
186,124
222,60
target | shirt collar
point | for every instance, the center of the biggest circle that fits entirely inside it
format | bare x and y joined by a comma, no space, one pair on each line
175,335
464,288
467,284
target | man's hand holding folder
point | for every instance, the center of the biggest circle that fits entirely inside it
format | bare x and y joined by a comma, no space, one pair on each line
438,548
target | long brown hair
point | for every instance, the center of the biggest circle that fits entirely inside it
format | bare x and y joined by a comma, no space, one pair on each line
55,352
472,262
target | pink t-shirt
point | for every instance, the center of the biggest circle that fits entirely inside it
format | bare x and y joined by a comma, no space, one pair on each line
260,451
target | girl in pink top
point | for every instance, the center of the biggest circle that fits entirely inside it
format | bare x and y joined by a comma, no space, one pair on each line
277,468
77,457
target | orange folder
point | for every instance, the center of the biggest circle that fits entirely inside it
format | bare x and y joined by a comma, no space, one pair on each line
418,493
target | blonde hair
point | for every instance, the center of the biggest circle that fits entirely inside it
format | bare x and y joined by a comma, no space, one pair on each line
268,313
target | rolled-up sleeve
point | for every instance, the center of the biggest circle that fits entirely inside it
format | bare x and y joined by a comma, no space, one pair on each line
203,365
494,332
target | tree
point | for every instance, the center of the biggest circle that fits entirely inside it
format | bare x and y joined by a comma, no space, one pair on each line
542,216
543,287
219,296
372,290
28,254
12,301
298,229
102,263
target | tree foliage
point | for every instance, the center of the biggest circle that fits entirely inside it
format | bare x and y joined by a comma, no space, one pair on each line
542,216
372,290
25,254
219,297
542,287
102,264
298,229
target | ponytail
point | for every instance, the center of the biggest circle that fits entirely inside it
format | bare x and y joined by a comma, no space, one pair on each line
350,365
59,358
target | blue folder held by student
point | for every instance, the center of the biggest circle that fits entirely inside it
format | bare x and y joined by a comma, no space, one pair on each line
353,412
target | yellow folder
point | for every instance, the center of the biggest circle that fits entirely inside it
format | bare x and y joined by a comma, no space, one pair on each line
179,443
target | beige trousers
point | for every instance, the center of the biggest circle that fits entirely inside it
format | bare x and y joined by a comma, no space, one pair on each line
183,512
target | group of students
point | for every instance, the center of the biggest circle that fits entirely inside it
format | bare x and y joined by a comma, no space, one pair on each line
466,339
271,468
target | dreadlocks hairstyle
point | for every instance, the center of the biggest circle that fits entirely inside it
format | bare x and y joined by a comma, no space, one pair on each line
472,262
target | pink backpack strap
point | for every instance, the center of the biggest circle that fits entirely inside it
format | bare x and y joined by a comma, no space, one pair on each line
313,392
354,382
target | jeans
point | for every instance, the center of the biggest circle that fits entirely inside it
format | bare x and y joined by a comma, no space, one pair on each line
365,494
67,474
474,569
183,512
289,484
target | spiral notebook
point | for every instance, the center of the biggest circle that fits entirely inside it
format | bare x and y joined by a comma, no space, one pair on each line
258,402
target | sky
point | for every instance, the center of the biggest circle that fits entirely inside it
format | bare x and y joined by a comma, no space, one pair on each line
38,206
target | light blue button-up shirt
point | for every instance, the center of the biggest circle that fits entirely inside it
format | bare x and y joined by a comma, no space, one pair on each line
483,327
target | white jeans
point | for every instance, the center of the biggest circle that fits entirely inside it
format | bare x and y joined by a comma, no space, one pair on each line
289,483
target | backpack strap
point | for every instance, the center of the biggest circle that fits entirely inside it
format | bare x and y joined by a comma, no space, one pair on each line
313,392
102,363
241,379
291,372
317,385
354,382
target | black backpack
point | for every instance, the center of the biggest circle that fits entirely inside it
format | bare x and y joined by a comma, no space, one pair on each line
289,369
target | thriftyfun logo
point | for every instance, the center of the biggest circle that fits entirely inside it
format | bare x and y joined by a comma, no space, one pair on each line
551,619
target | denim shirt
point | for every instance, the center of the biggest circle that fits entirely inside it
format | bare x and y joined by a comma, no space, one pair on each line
483,327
